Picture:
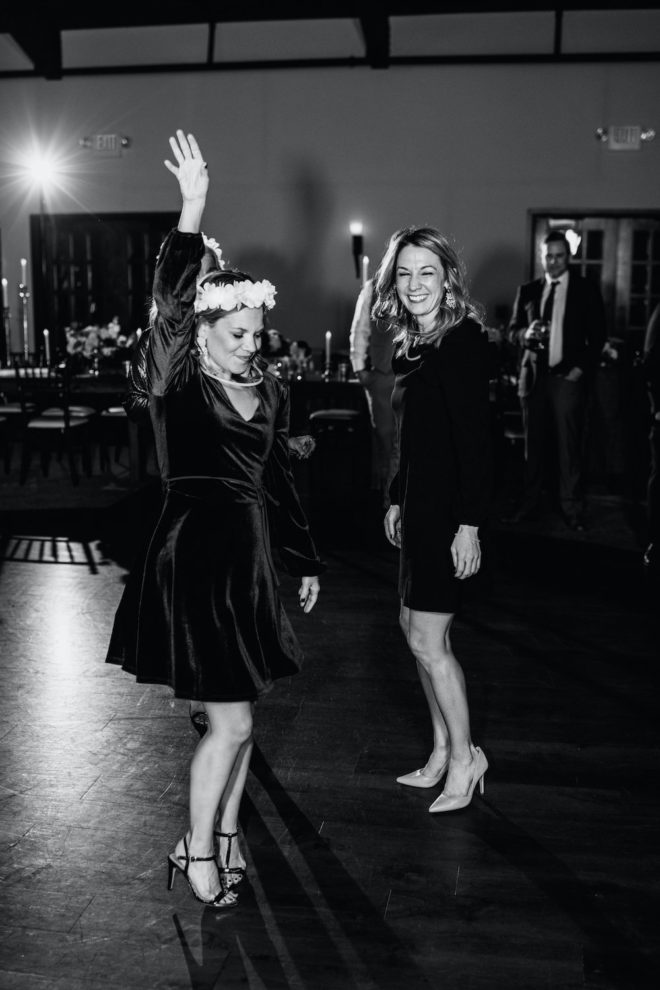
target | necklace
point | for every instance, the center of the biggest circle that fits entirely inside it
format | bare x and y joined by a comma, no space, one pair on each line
233,382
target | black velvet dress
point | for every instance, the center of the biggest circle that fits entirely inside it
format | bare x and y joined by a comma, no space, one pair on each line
441,403
201,610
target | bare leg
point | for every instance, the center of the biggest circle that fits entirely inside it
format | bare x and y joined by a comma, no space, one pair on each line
212,765
227,820
427,634
438,757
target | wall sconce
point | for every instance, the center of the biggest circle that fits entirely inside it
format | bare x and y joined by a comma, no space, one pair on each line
624,137
357,243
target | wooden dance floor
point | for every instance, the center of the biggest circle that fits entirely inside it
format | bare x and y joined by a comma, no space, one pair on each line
550,881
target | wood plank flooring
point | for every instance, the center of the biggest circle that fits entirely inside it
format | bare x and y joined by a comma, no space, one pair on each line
550,882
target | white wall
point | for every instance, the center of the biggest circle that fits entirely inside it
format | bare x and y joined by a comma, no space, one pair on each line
295,155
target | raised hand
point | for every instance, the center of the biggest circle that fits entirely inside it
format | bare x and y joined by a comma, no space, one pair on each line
190,170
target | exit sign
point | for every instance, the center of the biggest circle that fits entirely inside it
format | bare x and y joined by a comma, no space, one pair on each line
624,137
106,145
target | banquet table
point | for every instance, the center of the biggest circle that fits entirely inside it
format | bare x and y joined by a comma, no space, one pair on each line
108,388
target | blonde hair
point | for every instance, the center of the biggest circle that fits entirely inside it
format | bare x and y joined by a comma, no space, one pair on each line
389,308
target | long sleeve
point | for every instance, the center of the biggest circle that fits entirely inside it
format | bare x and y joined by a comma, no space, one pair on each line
595,328
175,285
136,402
465,384
360,332
291,532
519,318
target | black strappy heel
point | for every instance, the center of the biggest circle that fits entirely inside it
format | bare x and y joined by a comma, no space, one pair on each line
199,720
230,876
225,899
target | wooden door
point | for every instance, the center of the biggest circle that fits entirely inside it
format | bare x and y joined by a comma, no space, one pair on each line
622,253
90,269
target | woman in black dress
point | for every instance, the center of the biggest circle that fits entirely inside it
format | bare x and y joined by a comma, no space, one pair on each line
201,611
439,497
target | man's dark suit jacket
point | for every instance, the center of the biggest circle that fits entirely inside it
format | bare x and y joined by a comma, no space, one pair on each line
583,330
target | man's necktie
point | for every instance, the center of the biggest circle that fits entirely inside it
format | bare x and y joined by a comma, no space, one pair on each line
546,315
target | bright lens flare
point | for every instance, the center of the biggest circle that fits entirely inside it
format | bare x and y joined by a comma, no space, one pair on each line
43,169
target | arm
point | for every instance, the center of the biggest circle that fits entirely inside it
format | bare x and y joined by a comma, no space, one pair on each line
361,329
466,389
177,270
595,330
518,323
136,402
291,532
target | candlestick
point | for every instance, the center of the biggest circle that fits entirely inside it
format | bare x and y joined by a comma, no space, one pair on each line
47,347
328,353
24,270
24,295
6,328
5,296
365,270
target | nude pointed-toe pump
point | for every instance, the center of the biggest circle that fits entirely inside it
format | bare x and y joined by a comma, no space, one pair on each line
454,802
420,779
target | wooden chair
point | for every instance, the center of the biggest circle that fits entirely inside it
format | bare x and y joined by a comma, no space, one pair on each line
340,465
51,424
112,431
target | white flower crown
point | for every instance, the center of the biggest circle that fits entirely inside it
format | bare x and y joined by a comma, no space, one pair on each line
234,295
212,245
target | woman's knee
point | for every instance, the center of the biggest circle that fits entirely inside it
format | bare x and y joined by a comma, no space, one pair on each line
233,723
432,655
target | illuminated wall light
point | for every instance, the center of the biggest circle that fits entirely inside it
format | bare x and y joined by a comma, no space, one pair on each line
355,227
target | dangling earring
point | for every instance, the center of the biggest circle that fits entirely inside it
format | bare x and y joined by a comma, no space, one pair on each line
450,298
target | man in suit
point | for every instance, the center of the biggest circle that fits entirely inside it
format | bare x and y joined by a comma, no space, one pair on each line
558,321
371,350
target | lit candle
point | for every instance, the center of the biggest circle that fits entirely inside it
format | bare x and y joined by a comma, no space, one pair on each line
328,346
365,270
24,270
5,296
47,346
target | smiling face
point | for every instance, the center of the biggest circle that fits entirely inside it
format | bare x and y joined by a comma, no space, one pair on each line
234,339
420,283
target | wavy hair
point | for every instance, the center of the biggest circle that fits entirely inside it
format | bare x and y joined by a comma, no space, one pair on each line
209,265
389,308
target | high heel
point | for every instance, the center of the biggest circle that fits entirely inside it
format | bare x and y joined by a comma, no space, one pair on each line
199,720
231,876
224,899
454,802
420,779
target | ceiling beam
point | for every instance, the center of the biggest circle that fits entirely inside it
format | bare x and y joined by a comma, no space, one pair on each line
376,34
43,48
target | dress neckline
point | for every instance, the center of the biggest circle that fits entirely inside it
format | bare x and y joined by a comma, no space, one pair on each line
237,411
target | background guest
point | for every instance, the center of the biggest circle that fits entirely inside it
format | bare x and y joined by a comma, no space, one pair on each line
651,366
371,352
558,322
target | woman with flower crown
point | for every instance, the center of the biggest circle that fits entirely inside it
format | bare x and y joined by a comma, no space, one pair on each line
439,497
201,611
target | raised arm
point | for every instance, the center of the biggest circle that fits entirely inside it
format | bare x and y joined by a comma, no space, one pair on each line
192,175
177,271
